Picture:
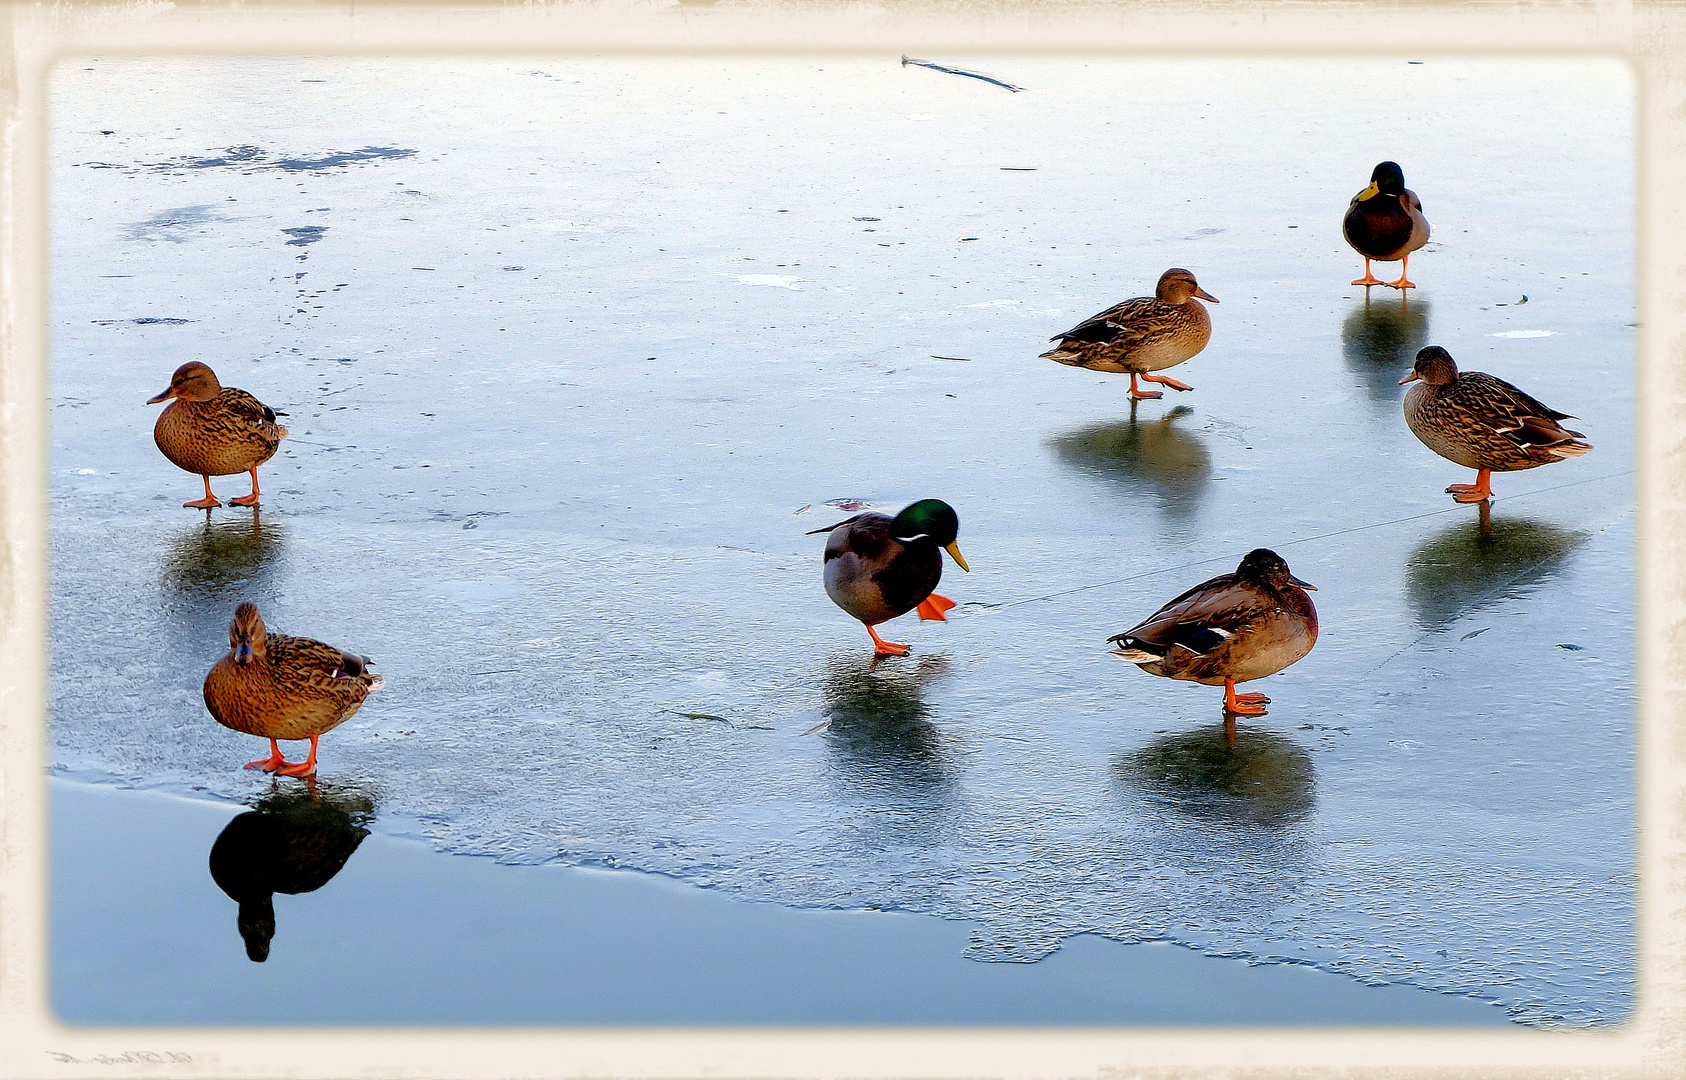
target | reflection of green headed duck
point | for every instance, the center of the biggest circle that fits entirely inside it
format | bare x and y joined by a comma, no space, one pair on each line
1234,628
1385,222
878,567
1483,423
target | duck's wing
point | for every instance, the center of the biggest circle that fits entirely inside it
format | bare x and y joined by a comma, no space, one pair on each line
249,412
1512,412
1125,321
1199,620
317,662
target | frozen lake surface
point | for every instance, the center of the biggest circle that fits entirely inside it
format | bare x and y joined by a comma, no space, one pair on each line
575,352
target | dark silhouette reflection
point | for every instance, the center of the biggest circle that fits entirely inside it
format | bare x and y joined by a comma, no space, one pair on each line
1379,342
1156,456
1259,778
292,841
884,754
1473,563
211,559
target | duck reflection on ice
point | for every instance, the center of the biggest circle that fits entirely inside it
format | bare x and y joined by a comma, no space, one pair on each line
883,747
1473,563
1381,339
207,559
1249,776
292,842
1170,461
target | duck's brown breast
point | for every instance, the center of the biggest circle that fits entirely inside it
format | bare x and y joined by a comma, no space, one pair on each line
213,439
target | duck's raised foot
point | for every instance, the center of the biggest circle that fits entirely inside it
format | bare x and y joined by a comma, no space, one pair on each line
1172,383
1252,699
933,606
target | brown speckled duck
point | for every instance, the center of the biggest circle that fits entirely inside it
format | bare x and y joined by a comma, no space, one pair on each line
878,567
214,430
1482,423
1145,334
1234,628
280,687
1385,222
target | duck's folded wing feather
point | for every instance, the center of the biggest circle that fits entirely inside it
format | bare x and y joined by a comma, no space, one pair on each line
1199,620
1109,325
245,406
1511,411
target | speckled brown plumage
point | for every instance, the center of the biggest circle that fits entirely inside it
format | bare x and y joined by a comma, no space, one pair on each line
1234,628
1148,333
1482,422
281,687
214,430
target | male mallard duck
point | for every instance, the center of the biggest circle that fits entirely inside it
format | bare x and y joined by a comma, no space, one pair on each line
1141,335
280,687
214,431
1483,423
1234,628
1385,222
878,567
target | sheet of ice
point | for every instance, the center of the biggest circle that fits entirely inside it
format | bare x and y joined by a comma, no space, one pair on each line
549,462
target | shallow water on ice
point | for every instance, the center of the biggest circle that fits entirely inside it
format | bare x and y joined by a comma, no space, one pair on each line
574,353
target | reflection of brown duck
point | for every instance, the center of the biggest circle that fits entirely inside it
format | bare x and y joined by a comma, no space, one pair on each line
1234,628
288,844
1482,423
1468,565
209,558
214,431
281,687
1170,460
1250,775
1147,333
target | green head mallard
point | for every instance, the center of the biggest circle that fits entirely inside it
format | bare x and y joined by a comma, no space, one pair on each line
878,567
1385,222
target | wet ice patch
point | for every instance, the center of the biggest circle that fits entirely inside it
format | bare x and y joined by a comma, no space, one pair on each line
485,595
177,225
782,281
305,234
1523,333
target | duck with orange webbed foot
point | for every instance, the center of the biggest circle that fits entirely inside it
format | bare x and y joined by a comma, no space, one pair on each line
214,430
1142,335
280,687
878,567
1234,628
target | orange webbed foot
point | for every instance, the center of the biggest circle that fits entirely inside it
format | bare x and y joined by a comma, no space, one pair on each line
1240,709
272,762
1368,279
1400,284
1172,383
245,500
1145,395
1252,699
297,768
933,606
886,648
205,503
1242,704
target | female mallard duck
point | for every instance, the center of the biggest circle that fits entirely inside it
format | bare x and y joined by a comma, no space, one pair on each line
1141,335
1482,423
280,687
214,431
1234,628
878,567
1385,222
